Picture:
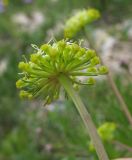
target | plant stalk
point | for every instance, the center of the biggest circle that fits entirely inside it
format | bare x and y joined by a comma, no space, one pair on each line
112,83
90,127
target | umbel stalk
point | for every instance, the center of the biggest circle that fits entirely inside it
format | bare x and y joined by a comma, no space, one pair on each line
90,127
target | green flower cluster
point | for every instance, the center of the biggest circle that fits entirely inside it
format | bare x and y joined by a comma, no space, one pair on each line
106,132
77,22
40,75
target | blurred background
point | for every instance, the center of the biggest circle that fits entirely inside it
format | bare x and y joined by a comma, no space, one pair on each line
30,131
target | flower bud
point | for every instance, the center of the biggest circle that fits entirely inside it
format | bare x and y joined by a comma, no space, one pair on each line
75,47
93,14
35,58
91,81
95,60
24,94
103,70
90,53
19,84
52,52
106,131
67,51
61,44
76,87
23,66
92,70
45,47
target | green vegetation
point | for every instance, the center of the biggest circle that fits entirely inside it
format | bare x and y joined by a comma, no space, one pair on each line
30,131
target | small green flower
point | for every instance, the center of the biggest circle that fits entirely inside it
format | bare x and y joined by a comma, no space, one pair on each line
39,76
106,132
77,22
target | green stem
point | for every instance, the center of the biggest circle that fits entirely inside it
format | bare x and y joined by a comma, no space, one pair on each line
112,83
90,127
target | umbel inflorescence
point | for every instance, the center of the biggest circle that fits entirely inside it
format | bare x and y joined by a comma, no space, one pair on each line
40,75
79,20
